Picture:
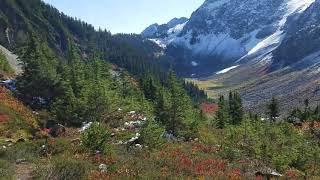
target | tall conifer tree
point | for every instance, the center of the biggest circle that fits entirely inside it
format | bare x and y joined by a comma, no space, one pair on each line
222,113
273,109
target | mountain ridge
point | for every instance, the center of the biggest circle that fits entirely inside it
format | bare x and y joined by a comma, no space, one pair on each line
213,29
243,44
163,30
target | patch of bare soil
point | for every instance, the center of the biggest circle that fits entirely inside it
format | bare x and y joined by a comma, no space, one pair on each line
24,171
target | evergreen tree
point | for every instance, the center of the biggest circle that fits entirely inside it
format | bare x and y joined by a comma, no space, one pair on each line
88,90
253,116
161,111
64,109
100,96
295,115
194,92
149,87
235,108
180,114
273,109
316,113
125,86
176,113
39,82
76,70
222,113
152,135
307,111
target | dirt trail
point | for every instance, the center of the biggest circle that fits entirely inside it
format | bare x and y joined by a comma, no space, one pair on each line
24,171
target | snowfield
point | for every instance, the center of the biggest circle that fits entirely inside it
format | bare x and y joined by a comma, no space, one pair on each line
193,63
227,69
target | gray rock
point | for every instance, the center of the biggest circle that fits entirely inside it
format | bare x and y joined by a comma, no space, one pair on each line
21,161
103,168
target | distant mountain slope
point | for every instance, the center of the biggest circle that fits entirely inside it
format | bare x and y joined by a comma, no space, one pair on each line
263,48
302,37
221,32
290,70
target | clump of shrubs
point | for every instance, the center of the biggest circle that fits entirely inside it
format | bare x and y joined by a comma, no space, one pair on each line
23,150
152,135
64,168
6,170
95,138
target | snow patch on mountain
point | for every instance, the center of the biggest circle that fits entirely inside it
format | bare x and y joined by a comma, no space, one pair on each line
292,6
227,69
298,5
176,29
176,21
220,44
274,39
159,42
193,63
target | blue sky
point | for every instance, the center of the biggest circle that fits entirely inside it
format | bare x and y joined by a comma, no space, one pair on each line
126,16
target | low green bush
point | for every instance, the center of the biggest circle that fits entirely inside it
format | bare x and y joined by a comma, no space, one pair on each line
23,150
4,65
152,135
6,170
58,146
95,138
63,168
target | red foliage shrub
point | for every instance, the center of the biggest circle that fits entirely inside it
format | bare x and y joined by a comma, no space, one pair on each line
185,160
209,108
4,118
191,161
198,147
210,167
308,125
97,175
291,174
259,177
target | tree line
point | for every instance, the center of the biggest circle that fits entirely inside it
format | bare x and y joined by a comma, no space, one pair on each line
231,112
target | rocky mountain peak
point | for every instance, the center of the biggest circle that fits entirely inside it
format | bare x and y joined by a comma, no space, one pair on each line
161,31
236,17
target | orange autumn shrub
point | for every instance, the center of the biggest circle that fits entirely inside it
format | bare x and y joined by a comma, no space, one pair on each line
16,113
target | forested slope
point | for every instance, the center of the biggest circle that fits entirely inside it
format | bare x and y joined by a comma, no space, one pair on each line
91,105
